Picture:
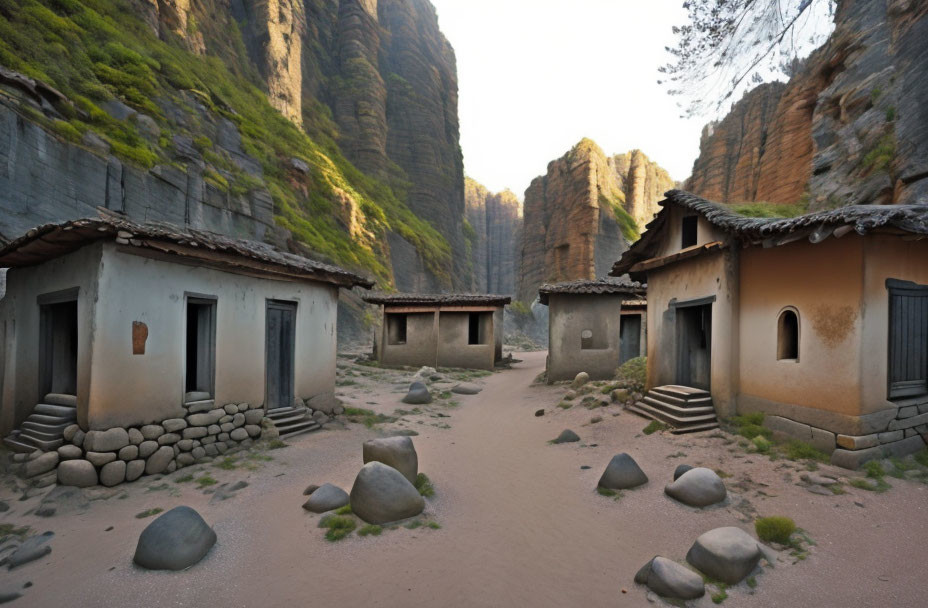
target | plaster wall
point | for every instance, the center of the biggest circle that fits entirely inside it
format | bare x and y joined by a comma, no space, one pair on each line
453,347
421,346
19,313
569,315
705,232
127,389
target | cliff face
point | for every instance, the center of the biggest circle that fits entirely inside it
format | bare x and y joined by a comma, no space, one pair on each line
330,125
848,128
496,221
580,217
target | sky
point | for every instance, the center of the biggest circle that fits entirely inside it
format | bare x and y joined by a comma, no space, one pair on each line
537,76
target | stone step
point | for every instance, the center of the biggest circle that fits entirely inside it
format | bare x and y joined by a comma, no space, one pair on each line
280,412
46,444
697,402
681,392
677,410
197,396
280,423
62,411
298,429
46,419
205,405
17,443
696,428
60,399
674,421
55,430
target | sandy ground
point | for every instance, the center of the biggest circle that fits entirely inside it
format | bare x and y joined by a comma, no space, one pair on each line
521,524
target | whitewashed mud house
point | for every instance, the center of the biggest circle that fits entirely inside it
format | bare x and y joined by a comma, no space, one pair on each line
129,348
594,326
446,330
819,321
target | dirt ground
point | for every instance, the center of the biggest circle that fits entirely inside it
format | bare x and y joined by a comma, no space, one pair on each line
521,524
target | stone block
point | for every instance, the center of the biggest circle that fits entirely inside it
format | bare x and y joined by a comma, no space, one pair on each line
152,431
130,452
784,428
907,423
174,425
169,439
254,416
109,440
823,440
907,412
194,432
890,436
858,442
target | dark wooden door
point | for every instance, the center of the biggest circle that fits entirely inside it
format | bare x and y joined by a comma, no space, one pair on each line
694,346
281,335
908,339
629,337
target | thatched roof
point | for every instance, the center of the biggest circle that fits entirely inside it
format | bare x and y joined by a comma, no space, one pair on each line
437,299
173,243
604,286
769,232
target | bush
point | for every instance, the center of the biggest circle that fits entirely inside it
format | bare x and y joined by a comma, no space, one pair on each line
800,450
339,526
653,427
424,485
762,444
633,374
776,529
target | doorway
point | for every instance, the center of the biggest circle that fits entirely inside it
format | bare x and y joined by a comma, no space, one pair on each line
200,353
694,345
629,337
58,348
281,337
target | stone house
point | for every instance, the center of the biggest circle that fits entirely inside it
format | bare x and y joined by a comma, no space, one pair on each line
112,332
446,330
594,326
819,321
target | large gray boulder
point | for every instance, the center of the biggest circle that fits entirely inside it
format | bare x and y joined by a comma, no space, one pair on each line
78,473
725,554
396,452
669,579
326,498
381,495
418,394
622,473
175,540
567,436
699,487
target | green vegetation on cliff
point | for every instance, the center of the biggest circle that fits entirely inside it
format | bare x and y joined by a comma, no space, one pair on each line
95,51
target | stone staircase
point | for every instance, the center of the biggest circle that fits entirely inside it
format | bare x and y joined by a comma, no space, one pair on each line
44,428
292,421
684,409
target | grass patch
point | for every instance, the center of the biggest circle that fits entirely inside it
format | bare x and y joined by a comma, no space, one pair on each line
370,530
338,527
776,529
565,405
229,463
205,481
722,474
148,513
346,510
922,457
184,479
608,493
653,427
424,485
874,481
719,596
770,210
12,530
800,450
434,525
761,444
752,582
413,525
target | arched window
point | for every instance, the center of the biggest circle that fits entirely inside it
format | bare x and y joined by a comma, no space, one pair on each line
788,335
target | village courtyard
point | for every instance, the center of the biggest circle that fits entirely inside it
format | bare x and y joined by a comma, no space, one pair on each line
514,519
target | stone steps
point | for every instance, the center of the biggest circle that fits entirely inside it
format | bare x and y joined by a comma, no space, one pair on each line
684,409
308,425
292,421
62,411
60,399
44,428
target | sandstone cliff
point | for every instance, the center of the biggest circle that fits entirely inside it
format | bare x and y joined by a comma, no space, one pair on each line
496,223
327,126
581,216
848,128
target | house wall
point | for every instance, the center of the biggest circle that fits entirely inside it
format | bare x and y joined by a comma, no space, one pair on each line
421,346
127,389
19,313
710,275
453,347
568,316
705,232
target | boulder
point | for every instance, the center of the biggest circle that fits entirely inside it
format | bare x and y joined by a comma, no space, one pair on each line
725,554
326,498
111,440
381,494
567,436
669,579
396,452
238,434
310,489
418,394
113,473
69,452
579,380
175,540
699,487
134,469
680,470
147,448
159,461
622,473
32,549
78,473
253,430
467,388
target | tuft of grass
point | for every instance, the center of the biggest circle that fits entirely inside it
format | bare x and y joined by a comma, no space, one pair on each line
346,510
761,444
800,450
370,530
338,527
229,463
752,582
608,493
184,479
776,529
434,525
565,405
11,530
770,210
922,457
413,525
874,481
653,427
723,474
148,513
720,595
424,485
206,481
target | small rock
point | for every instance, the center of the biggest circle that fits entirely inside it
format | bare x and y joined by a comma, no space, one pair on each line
418,394
173,425
78,473
310,489
815,478
584,467
78,438
32,549
100,458
396,452
253,430
466,388
135,436
169,439
622,473
567,436
238,435
596,419
70,431
726,554
579,380
381,494
147,448
326,498
176,540
254,416
815,489
680,470
41,465
698,487
152,431
130,452
669,579
196,432
134,469
539,413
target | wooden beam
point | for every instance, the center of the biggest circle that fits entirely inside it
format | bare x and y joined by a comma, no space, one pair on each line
676,257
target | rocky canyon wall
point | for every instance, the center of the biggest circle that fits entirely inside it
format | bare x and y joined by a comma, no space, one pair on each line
496,221
581,216
848,128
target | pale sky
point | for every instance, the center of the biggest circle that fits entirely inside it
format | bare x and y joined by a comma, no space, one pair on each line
536,76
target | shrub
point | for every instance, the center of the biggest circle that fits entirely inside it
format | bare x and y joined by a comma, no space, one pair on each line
762,444
776,529
633,374
800,450
424,485
653,427
339,526
370,529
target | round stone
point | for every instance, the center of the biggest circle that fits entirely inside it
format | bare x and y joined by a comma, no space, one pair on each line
79,473
253,430
725,554
130,452
699,487
152,431
113,473
622,473
396,452
160,460
168,439
134,469
238,435
567,436
175,540
69,452
136,437
326,498
100,458
381,494
174,425
147,448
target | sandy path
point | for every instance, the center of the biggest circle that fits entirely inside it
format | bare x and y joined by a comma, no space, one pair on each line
521,524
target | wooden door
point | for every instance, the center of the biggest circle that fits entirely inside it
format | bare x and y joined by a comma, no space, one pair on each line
281,337
629,337
908,339
694,346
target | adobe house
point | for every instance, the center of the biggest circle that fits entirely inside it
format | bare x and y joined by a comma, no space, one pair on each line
115,324
819,321
594,326
440,330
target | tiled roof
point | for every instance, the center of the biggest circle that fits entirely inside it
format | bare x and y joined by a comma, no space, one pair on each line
437,299
608,285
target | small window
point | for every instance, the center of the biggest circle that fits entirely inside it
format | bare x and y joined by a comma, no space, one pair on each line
396,329
473,328
201,347
689,231
586,339
788,336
